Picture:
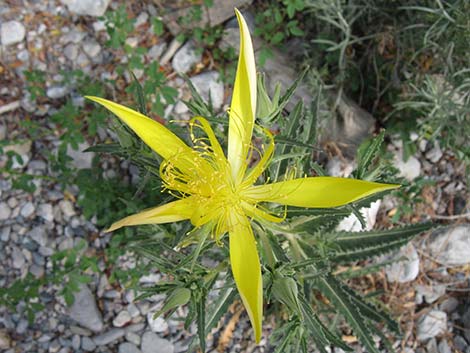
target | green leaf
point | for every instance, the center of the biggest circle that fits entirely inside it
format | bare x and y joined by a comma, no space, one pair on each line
285,290
353,246
179,297
366,154
140,95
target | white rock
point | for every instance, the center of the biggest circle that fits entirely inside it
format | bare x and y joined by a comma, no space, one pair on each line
122,319
435,153
429,293
18,258
208,85
150,341
46,212
156,51
87,7
133,338
85,311
127,347
12,32
109,336
56,92
451,246
71,51
352,223
141,19
27,210
5,211
67,209
80,159
410,169
431,325
39,235
158,324
404,271
92,48
186,57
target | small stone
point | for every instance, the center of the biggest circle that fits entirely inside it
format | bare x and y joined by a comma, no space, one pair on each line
46,212
431,325
5,211
449,305
127,347
133,42
5,340
180,108
18,258
156,51
22,326
460,343
109,336
71,51
133,310
133,338
150,340
56,92
450,246
36,270
85,311
410,169
81,159
39,235
443,346
27,210
23,150
67,209
186,57
209,86
87,7
92,48
12,32
429,293
122,319
404,271
3,132
435,153
88,345
158,324
74,36
76,342
141,19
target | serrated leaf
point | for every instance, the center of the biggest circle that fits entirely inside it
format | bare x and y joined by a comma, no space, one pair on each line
366,154
105,148
140,95
179,297
285,290
353,246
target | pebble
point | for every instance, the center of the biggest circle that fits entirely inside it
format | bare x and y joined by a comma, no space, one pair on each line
407,270
88,345
122,319
5,211
39,235
158,324
92,48
71,51
27,210
5,340
67,209
127,347
12,32
209,86
443,346
450,246
150,340
56,92
156,51
186,57
18,258
429,294
46,212
80,159
133,338
84,310
76,342
431,325
87,7
109,336
409,169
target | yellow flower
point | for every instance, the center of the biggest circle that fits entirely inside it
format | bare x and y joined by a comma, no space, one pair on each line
219,191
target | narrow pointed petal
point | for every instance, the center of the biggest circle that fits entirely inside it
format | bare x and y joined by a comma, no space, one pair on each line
243,106
246,269
170,212
316,192
154,134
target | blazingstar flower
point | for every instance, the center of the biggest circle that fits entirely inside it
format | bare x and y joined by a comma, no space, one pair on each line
219,191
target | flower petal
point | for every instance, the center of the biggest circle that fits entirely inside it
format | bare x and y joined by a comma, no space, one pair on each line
246,269
170,212
243,106
316,191
154,134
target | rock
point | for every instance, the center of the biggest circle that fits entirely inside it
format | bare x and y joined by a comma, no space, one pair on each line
158,324
27,210
46,212
209,86
127,347
56,92
434,154
80,159
133,338
5,211
23,149
87,7
39,235
92,48
460,344
71,51
74,36
84,310
211,16
88,345
3,131
431,346
109,336
150,340
22,326
156,51
451,246
175,44
449,305
186,57
404,271
431,325
429,293
443,346
5,340
352,223
410,169
18,259
122,319
36,270
12,32
76,342
67,209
